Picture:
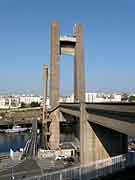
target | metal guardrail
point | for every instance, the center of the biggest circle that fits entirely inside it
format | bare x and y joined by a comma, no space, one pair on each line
94,170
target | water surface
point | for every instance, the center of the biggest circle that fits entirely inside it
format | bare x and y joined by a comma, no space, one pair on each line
14,141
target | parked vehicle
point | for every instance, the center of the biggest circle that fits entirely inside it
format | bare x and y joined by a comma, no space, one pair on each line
61,157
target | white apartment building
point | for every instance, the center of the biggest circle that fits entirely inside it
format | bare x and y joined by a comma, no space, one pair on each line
94,97
102,97
7,102
28,99
67,99
47,102
117,98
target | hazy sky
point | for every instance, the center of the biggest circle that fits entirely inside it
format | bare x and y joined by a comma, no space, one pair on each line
109,43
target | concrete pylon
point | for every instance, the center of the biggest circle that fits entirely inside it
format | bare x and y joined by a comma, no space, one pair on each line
86,138
64,45
98,142
79,80
54,69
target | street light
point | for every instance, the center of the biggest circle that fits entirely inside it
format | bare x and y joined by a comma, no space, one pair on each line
13,173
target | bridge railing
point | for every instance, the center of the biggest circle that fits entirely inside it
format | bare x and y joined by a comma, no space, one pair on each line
93,170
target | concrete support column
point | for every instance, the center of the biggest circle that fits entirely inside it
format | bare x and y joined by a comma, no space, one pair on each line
54,130
86,138
54,71
79,81
98,142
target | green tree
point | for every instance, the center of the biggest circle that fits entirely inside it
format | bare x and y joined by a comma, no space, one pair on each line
35,104
132,99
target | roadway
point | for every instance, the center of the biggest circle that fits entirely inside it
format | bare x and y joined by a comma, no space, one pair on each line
25,169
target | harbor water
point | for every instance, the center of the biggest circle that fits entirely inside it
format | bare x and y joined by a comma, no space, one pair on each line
14,141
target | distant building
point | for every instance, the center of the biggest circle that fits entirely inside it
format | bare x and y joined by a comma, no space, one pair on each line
67,99
102,97
7,102
94,97
47,102
28,99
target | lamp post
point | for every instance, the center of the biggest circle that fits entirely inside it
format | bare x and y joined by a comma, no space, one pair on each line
13,173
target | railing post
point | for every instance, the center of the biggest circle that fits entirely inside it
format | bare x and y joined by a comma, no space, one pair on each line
61,176
80,174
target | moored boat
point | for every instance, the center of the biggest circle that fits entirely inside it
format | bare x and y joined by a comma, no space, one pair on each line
16,129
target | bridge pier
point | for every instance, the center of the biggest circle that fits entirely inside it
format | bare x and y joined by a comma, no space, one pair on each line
54,130
98,142
79,77
87,137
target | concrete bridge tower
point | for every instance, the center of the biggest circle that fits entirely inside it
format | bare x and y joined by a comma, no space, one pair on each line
68,45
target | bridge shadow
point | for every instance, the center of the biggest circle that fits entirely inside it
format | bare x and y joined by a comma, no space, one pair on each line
113,142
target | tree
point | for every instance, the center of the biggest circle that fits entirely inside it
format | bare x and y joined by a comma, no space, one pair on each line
35,104
23,105
132,98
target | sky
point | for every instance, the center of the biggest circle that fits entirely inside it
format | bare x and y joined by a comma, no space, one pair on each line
109,43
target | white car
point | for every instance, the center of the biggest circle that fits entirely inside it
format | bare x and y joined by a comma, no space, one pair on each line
61,157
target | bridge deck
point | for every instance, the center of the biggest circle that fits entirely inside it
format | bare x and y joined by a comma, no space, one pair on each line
116,116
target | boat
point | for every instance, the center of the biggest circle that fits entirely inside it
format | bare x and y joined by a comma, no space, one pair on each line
16,129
